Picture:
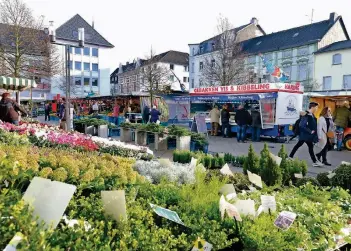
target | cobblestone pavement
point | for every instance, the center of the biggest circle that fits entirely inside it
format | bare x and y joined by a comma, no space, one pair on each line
230,145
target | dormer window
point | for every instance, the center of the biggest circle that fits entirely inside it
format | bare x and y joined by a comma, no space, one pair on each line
336,59
213,46
201,49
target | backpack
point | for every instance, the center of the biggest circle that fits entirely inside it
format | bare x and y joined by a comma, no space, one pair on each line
5,109
296,127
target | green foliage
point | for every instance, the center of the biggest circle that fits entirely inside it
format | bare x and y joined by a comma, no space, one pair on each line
303,181
342,177
323,179
271,173
182,156
93,122
252,162
282,152
199,139
264,156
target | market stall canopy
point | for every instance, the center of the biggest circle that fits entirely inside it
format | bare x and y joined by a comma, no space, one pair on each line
16,84
233,98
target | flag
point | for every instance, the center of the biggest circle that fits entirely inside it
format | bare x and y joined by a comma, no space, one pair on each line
275,71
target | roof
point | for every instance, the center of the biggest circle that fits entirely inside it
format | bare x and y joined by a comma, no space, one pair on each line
342,45
175,57
69,31
295,37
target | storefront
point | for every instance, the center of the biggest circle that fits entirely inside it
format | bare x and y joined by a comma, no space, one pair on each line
279,104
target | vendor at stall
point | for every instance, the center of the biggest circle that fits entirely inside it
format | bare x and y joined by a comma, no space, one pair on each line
9,109
214,116
243,120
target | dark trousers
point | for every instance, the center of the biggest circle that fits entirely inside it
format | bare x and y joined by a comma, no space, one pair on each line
323,153
241,135
47,116
256,134
310,149
225,129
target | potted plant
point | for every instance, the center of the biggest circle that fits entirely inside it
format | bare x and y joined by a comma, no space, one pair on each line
126,131
183,136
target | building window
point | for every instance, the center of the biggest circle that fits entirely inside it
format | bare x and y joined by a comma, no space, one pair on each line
200,82
213,46
77,51
268,56
95,67
337,58
185,79
78,66
193,51
86,66
302,68
347,81
201,49
86,51
71,65
327,83
287,54
94,82
213,63
94,52
86,81
171,78
302,51
287,70
171,66
192,67
192,83
186,68
252,60
201,67
77,81
70,50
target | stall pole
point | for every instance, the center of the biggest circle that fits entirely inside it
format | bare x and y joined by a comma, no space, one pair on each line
68,85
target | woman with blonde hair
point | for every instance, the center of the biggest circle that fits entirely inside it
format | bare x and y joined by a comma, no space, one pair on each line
324,127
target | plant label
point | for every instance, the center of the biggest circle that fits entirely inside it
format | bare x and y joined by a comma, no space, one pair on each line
166,213
230,209
268,203
201,167
259,210
226,170
193,162
331,175
284,220
255,179
277,159
252,189
114,204
298,175
201,245
345,163
14,242
227,189
246,207
49,199
221,155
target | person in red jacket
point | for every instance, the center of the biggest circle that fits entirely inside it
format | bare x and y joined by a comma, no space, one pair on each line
9,109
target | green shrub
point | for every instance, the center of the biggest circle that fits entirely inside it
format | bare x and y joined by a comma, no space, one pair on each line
252,162
271,173
305,180
323,179
282,152
239,180
176,155
265,154
342,177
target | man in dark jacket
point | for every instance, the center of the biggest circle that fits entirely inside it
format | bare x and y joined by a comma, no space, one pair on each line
308,133
9,109
225,116
155,115
242,119
146,114
47,111
256,124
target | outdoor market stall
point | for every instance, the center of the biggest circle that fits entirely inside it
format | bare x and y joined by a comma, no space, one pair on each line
16,84
279,103
333,99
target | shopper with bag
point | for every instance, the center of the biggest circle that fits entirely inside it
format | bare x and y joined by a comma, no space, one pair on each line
154,115
325,125
9,110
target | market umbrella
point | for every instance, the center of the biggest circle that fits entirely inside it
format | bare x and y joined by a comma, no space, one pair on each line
16,84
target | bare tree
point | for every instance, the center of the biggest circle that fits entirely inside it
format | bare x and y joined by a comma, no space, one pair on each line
25,49
154,76
226,64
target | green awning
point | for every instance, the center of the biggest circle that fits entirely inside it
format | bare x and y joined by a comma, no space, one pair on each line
16,84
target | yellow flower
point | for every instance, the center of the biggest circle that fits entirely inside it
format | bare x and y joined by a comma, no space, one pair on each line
45,172
60,174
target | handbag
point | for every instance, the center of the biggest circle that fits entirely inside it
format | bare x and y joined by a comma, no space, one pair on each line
331,134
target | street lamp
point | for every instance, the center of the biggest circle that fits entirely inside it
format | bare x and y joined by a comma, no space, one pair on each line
52,36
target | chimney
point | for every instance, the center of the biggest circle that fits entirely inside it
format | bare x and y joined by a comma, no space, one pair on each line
332,17
254,21
127,63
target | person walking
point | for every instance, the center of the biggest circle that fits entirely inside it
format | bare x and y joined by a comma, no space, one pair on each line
242,119
296,127
9,109
146,114
308,133
95,108
225,116
47,111
325,124
116,112
341,116
155,115
256,124
214,116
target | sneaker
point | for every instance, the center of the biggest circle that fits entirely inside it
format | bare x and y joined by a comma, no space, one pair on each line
318,157
327,163
317,164
289,158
